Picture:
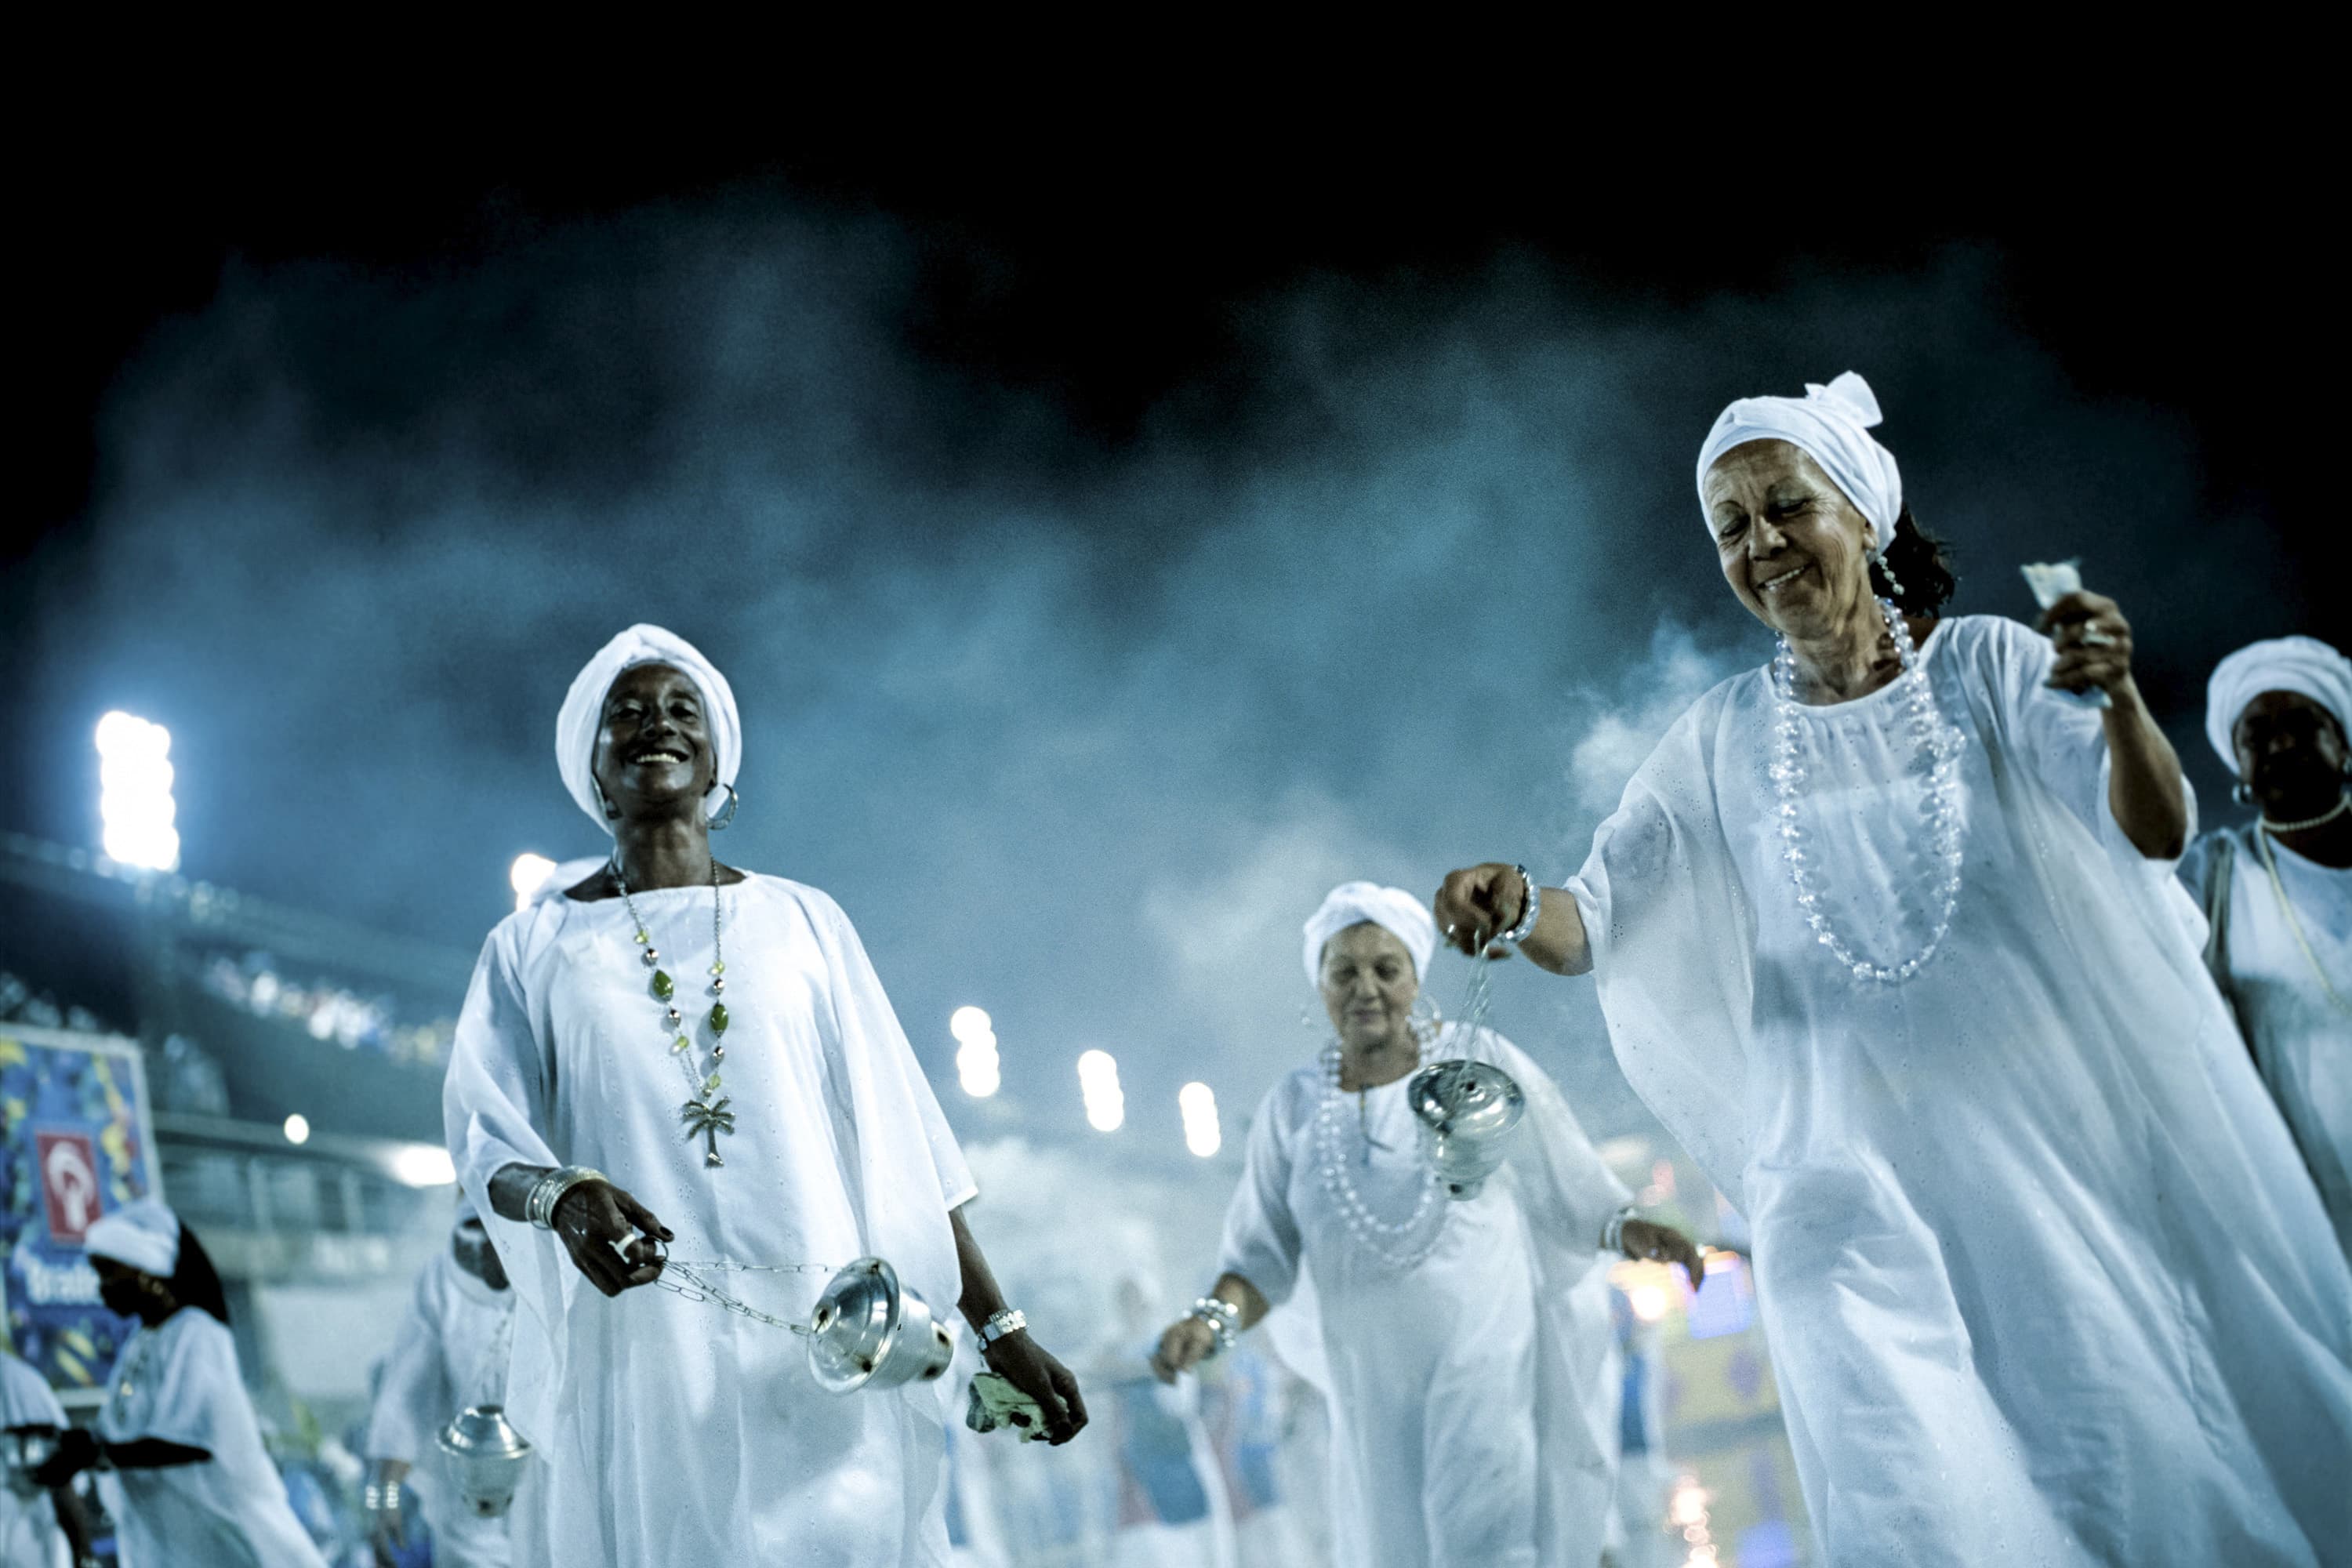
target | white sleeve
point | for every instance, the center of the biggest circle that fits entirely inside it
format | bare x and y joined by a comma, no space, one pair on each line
413,1400
197,1388
1261,1241
495,1101
1569,1193
957,1187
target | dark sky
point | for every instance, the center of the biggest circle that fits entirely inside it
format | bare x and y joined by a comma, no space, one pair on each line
1114,544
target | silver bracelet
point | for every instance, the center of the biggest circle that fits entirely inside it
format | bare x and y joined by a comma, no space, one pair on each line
380,1499
1224,1318
1612,1235
539,1208
1528,916
1002,1321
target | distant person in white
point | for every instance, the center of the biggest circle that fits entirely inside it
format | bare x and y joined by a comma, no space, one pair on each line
1448,1336
184,1475
1886,933
449,1353
2277,891
766,1114
32,1531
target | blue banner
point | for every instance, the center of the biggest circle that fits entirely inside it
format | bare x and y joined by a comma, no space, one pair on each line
77,1140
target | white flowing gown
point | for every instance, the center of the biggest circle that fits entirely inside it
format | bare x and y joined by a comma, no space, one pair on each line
2044,1278
179,1382
670,1431
450,1351
29,1535
2302,1041
1464,1422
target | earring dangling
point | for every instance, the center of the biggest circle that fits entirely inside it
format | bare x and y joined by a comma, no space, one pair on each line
1424,1020
727,814
1887,568
2241,793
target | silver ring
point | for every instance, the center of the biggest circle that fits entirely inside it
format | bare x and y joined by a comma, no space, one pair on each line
2097,639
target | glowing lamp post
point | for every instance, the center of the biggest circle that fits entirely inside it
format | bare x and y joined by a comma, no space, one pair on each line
527,875
134,802
1198,1104
977,1068
1098,1087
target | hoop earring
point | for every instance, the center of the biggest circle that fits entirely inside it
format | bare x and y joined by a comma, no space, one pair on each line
727,814
2241,793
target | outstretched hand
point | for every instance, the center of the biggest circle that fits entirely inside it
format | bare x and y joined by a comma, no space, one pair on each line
613,1239
1188,1342
1475,904
1022,1362
1642,1238
2093,643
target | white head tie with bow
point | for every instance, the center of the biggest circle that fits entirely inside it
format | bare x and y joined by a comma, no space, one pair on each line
584,714
1831,426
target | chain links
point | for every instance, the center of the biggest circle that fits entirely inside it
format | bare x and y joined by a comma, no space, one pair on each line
696,1287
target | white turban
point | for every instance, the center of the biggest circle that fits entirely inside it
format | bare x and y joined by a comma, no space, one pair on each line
583,712
1394,908
2282,664
1830,425
141,1233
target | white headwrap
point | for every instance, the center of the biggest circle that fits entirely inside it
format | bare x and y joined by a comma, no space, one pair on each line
1394,908
2282,664
142,1233
583,712
1831,426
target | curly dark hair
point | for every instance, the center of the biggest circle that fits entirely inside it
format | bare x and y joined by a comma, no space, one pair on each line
1921,563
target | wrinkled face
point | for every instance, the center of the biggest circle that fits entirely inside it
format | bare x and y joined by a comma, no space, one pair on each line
1792,547
2291,752
1368,985
653,748
118,1286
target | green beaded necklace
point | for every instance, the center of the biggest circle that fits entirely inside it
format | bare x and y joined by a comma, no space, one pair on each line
705,1113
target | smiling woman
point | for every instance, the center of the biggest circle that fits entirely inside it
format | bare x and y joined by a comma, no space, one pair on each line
1886,933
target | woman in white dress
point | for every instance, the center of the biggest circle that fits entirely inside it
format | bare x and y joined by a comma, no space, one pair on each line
32,1518
184,1475
449,1353
717,1041
1886,933
2277,891
1457,1365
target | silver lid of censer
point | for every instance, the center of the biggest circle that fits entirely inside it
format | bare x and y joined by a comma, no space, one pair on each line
870,1332
489,1456
1467,1111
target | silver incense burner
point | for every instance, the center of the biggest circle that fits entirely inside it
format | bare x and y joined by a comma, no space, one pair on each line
23,1450
870,1332
488,1456
1468,1111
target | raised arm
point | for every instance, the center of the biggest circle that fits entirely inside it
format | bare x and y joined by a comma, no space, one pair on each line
2093,645
1480,901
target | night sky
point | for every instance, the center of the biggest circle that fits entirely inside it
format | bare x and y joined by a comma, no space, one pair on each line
1112,545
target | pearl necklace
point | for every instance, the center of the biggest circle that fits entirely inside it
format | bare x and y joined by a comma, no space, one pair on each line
1939,740
1400,1246
705,1113
2343,803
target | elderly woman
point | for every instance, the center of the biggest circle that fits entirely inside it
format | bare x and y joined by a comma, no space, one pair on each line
718,1042
1881,934
2277,892
186,1477
449,1353
1456,1363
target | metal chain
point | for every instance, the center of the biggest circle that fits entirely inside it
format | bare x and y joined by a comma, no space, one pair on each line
698,1288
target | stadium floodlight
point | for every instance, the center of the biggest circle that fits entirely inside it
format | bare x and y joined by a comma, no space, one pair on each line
135,806
527,875
977,1068
422,1165
298,1129
1099,1086
1198,1104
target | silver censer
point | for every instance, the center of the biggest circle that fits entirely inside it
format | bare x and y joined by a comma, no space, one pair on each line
488,1456
1467,1110
870,1332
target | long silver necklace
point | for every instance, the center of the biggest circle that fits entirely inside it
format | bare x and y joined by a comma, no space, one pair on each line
1942,811
705,1112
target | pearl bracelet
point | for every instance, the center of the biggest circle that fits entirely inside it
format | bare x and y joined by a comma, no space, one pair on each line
539,1207
1224,1318
1529,914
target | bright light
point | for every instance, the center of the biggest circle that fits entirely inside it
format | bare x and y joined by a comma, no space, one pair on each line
298,1129
1098,1083
527,875
1198,1103
422,1165
1648,1301
977,1068
134,802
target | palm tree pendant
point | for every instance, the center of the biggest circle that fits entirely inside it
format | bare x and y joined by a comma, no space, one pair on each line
706,1119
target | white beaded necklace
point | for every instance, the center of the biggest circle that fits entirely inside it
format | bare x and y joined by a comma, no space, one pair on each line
1401,1245
1939,740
